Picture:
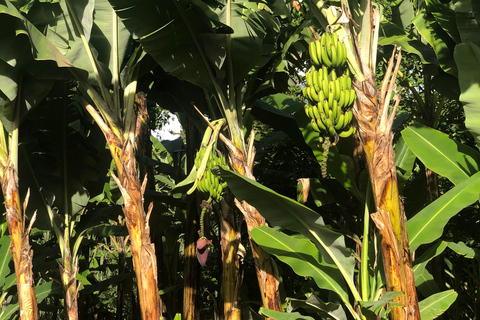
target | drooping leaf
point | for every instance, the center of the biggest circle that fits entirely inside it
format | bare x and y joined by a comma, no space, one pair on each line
391,34
423,279
427,225
328,310
285,213
441,154
302,256
386,298
462,249
435,305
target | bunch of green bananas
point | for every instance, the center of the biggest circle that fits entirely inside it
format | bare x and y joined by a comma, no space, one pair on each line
329,96
209,183
328,51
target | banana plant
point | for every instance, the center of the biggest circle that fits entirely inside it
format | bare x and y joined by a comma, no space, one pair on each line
374,111
25,81
225,48
94,50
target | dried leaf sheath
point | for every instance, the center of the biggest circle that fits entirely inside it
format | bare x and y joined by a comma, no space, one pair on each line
372,111
143,250
22,253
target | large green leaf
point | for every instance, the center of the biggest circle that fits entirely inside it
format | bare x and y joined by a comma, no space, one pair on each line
467,57
285,213
441,154
302,255
96,19
188,38
29,64
392,34
435,305
440,41
427,225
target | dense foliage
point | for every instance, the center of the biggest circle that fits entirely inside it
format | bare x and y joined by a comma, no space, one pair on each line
73,73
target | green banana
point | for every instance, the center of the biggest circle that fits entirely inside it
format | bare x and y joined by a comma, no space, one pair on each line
337,111
352,97
325,87
337,89
318,50
309,79
347,133
314,125
340,123
321,95
313,93
315,80
341,99
331,131
313,53
348,118
324,119
331,94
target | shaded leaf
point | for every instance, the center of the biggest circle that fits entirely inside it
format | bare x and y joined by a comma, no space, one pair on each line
440,41
467,58
278,315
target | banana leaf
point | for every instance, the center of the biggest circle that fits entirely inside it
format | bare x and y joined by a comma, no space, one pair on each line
441,154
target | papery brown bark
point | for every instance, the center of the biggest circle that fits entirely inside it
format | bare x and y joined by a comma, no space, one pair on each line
190,274
70,289
20,246
372,111
267,272
143,250
231,278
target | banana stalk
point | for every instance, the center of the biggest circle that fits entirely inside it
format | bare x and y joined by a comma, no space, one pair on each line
143,251
19,233
371,110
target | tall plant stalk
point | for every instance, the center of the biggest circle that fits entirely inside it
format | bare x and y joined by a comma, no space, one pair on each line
375,114
15,214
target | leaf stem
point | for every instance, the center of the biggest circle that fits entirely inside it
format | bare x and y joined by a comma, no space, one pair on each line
364,258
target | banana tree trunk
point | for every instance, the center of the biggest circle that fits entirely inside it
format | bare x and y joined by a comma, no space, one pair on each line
267,272
69,283
231,279
22,253
375,124
143,250
190,274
